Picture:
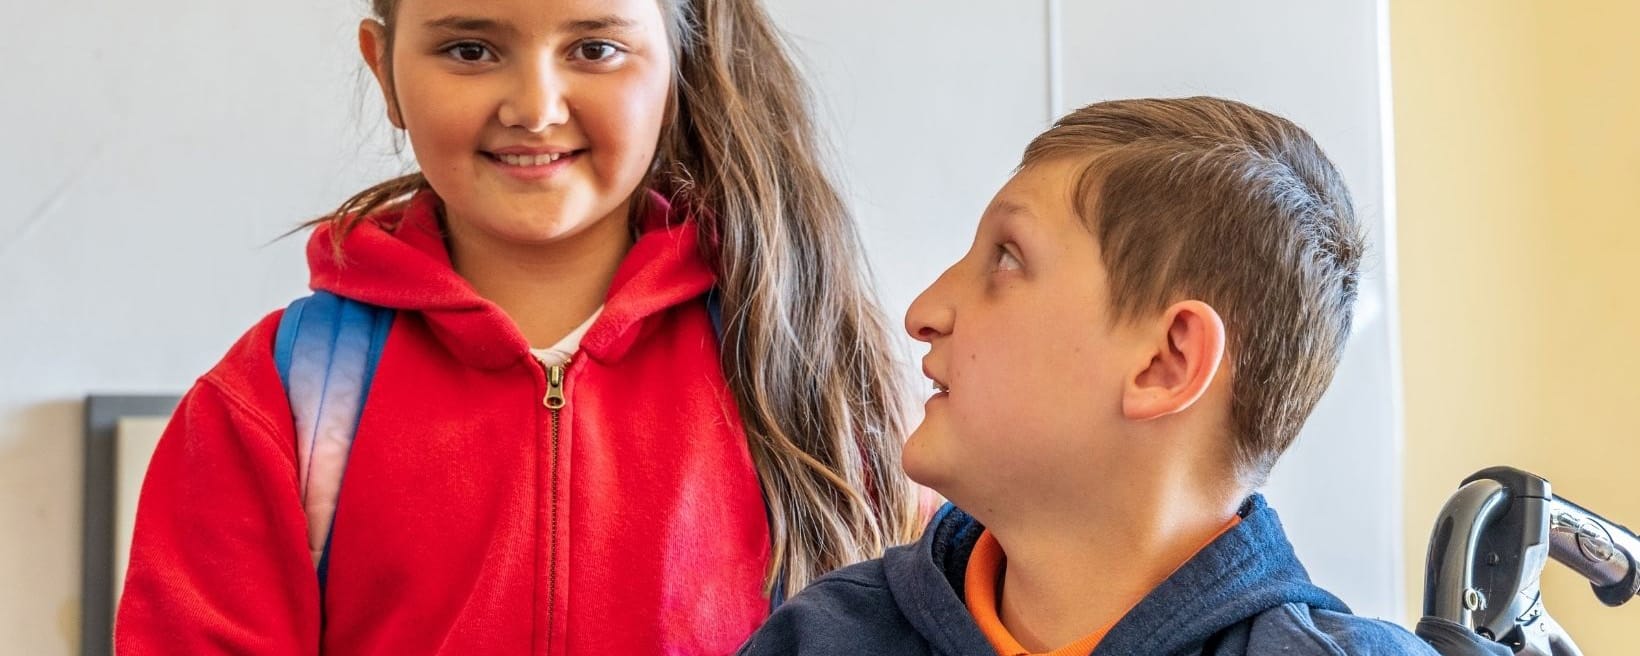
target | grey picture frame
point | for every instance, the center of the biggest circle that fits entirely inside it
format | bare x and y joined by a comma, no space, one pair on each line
102,417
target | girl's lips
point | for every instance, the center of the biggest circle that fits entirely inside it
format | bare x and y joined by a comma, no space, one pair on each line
533,166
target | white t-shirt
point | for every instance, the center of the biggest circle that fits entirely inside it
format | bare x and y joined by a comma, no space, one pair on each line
560,353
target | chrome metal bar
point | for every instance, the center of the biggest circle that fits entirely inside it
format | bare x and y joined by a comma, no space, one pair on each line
1598,550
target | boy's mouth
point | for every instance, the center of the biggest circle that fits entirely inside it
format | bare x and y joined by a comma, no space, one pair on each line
940,387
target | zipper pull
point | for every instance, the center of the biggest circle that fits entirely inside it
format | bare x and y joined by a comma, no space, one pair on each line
555,387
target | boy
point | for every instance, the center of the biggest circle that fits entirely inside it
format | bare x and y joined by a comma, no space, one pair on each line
1151,308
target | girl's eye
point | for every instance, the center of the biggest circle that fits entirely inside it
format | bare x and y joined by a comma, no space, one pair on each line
470,52
597,51
1006,260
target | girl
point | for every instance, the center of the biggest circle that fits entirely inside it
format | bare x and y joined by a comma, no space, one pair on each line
558,454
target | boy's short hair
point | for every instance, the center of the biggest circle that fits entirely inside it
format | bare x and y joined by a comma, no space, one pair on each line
1214,200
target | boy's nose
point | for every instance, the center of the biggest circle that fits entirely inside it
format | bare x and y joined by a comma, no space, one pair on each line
536,103
930,315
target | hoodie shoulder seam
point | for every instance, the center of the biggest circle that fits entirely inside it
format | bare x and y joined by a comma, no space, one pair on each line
1306,625
240,405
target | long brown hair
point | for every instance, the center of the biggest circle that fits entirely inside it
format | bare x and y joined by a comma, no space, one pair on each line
806,350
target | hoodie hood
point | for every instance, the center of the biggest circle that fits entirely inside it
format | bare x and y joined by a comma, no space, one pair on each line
398,259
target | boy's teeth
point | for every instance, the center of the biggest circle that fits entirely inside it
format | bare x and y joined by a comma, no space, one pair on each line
530,160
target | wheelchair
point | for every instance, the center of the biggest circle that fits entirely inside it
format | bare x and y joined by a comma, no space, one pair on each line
1487,552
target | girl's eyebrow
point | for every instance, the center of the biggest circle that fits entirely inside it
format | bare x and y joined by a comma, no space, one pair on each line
470,24
601,23
610,22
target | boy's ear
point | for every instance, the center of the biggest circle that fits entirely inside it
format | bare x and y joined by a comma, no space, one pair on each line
373,47
1184,360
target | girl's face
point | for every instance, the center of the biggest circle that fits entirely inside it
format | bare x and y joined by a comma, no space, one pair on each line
532,119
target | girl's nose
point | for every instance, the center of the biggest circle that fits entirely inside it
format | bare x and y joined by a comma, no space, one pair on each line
536,103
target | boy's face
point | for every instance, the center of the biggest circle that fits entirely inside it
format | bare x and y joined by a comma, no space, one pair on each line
1022,343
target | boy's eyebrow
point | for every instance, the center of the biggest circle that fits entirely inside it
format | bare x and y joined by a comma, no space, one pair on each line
1007,211
1010,207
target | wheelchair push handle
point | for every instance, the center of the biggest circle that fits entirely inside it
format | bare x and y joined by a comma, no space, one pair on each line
1598,549
1487,552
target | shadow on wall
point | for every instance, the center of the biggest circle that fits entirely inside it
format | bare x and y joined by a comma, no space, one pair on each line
41,499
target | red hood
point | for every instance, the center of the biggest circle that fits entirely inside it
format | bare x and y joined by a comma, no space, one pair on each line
409,269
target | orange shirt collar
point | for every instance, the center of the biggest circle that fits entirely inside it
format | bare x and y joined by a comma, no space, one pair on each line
984,574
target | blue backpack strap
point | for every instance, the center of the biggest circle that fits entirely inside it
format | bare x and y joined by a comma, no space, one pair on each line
714,311
326,351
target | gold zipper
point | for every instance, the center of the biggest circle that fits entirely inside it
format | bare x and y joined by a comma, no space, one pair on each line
555,402
555,390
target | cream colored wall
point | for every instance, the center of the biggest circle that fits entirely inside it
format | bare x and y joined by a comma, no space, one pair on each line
1518,158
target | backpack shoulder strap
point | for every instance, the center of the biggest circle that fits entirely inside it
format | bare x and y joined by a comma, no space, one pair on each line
714,310
326,350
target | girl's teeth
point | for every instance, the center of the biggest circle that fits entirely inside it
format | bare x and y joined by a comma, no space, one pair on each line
530,160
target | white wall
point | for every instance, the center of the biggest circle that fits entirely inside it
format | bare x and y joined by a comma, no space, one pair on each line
1323,65
932,109
150,151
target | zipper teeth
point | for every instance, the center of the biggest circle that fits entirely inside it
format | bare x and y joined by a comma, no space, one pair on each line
552,540
555,402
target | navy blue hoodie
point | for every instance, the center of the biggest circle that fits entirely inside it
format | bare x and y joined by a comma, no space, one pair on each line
1245,593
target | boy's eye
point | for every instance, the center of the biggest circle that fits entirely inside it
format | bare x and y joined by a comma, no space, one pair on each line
470,52
1006,260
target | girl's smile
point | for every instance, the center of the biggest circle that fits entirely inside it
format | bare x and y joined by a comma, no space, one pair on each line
533,164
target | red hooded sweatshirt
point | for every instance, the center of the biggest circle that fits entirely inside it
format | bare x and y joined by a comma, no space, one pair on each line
472,519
